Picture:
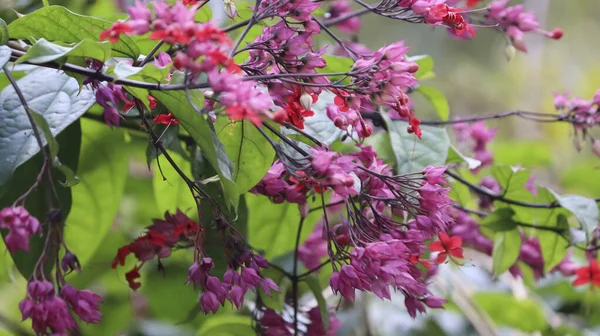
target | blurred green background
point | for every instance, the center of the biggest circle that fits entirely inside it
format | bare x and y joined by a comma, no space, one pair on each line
476,78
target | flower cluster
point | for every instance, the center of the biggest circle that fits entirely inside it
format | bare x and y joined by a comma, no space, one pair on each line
162,236
340,8
49,311
21,226
515,22
203,48
235,284
271,323
479,136
112,98
584,113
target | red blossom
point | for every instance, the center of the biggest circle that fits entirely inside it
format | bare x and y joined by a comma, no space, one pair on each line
131,276
115,31
239,112
190,2
588,274
171,35
414,126
415,258
472,3
452,17
296,110
165,119
447,246
152,101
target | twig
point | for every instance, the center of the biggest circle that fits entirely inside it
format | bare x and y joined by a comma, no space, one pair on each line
251,23
501,198
295,279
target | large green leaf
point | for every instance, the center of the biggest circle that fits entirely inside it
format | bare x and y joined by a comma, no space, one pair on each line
425,63
44,51
102,172
204,136
454,156
227,325
50,93
437,99
250,152
507,246
36,203
56,23
273,227
552,244
507,310
500,220
170,190
585,209
522,152
412,154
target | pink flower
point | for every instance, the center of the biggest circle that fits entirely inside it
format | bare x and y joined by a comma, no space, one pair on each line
21,226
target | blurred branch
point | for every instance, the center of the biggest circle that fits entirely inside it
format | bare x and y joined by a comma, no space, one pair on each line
501,198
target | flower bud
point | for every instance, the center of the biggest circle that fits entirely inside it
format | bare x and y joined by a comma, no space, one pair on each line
230,8
306,101
556,33
510,52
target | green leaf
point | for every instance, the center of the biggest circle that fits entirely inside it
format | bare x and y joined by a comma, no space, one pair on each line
500,220
412,154
44,51
5,53
96,199
3,33
205,138
42,124
512,180
272,227
507,310
169,299
36,202
50,93
553,246
437,99
337,64
507,246
454,156
585,209
172,193
169,137
227,325
56,23
250,152
315,287
425,63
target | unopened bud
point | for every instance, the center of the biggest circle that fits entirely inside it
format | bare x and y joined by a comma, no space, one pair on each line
557,33
596,147
230,8
306,101
510,52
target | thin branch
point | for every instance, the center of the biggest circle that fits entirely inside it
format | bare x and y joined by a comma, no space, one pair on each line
501,198
251,23
150,55
295,275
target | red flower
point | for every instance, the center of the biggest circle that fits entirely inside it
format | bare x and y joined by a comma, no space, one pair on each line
190,2
131,276
415,258
239,112
171,35
414,127
451,17
297,109
472,3
128,105
588,274
115,31
165,119
447,246
152,101
122,253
